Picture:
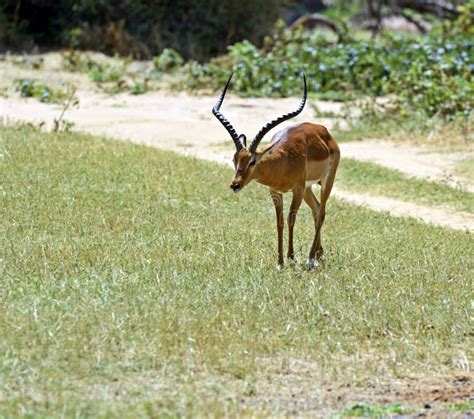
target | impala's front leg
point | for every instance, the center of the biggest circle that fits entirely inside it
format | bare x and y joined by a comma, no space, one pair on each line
295,205
277,198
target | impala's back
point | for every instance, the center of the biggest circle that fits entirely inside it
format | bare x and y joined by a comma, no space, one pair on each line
302,153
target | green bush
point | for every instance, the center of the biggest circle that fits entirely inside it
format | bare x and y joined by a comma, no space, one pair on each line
432,74
31,88
104,73
168,60
142,28
75,61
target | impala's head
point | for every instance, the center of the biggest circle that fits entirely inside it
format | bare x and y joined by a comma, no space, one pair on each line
247,159
244,162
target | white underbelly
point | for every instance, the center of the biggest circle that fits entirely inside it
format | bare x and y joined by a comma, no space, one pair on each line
316,171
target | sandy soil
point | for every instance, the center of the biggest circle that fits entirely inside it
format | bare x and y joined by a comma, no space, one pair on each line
184,123
297,387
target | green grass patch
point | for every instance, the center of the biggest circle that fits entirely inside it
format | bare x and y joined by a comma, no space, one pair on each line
373,178
376,122
134,283
465,168
363,409
466,407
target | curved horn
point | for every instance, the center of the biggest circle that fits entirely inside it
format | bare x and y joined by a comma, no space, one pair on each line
227,125
275,122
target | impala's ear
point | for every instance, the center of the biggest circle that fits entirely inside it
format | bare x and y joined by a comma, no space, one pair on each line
243,139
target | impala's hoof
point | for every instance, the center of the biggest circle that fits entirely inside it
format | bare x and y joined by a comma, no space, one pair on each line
279,266
312,264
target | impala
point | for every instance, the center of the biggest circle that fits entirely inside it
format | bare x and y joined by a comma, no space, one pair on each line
297,157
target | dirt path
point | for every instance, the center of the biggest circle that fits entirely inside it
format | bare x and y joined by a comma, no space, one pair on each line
183,123
296,387
416,161
397,208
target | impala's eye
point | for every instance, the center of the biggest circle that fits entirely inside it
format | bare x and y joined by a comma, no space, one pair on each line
252,162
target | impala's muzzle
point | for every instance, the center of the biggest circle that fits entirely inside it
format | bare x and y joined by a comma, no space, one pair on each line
235,186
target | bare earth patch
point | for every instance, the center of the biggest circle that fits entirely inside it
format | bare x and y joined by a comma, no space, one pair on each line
443,217
297,387
286,388
294,387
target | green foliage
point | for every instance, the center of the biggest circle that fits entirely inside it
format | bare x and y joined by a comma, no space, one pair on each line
105,73
114,79
32,88
435,76
390,122
110,77
431,74
364,409
138,88
343,10
75,61
142,28
168,60
463,25
466,407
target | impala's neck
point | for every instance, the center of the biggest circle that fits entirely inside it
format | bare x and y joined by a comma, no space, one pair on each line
268,171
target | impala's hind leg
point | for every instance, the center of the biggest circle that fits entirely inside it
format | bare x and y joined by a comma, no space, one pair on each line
298,192
313,203
277,199
326,187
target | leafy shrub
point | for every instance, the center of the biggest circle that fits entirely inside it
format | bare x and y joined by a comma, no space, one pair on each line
111,78
75,61
31,88
432,74
142,28
438,81
168,60
104,73
138,88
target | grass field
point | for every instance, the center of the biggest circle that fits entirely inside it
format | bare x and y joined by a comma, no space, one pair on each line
411,128
368,177
135,284
466,168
